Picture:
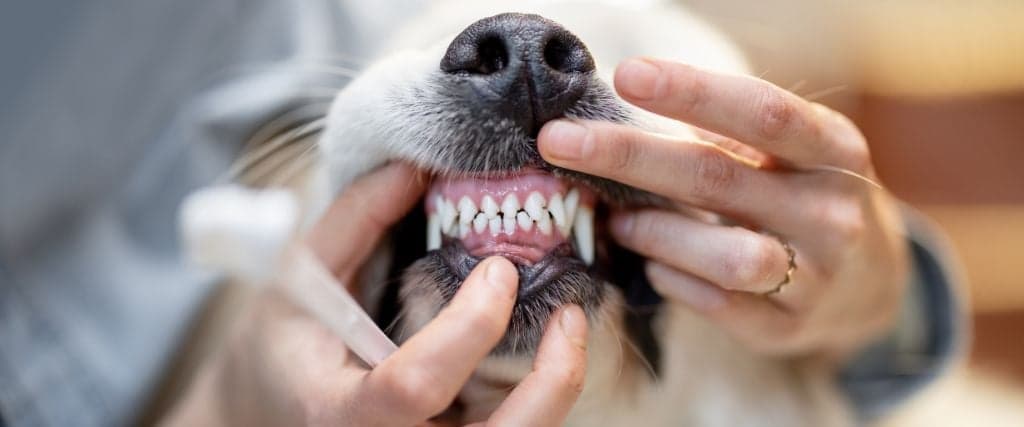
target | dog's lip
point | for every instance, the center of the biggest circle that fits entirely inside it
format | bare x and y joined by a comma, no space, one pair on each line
532,276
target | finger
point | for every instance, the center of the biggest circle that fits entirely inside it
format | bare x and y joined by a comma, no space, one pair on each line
699,174
422,378
734,258
363,213
546,395
752,319
750,110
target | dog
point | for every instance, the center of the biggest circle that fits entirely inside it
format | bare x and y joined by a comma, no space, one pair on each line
462,92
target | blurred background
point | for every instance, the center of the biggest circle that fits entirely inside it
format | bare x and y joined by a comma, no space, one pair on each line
938,89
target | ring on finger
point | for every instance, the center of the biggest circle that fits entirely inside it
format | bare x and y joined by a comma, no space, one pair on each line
790,268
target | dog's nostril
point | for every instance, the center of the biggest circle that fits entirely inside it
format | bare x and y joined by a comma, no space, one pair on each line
566,56
493,56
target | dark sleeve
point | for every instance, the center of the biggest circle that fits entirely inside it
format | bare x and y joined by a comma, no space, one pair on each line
929,335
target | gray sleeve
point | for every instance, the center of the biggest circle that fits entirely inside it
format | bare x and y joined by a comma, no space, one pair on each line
928,338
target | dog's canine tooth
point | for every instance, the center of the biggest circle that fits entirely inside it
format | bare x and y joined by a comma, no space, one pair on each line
467,210
510,206
524,221
572,201
583,230
544,225
535,206
480,223
557,209
463,229
433,232
489,207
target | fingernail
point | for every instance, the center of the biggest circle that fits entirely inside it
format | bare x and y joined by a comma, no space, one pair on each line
637,79
564,140
572,327
499,273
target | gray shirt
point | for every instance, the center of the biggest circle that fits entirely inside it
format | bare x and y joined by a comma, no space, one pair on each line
113,111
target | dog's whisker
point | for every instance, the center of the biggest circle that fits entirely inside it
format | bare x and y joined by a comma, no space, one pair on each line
817,95
260,155
797,86
288,119
302,162
269,173
325,68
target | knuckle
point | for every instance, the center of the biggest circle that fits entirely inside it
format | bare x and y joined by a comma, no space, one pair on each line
846,221
776,114
570,379
629,150
849,222
859,155
714,174
754,262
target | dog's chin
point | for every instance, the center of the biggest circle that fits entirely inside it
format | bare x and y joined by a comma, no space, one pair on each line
556,280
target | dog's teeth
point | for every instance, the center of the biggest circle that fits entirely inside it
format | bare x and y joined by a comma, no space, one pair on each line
509,224
544,225
447,214
463,229
433,232
572,201
510,206
524,221
467,210
495,225
480,223
535,206
583,231
489,207
557,209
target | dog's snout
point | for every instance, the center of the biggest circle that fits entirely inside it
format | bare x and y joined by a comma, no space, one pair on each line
524,67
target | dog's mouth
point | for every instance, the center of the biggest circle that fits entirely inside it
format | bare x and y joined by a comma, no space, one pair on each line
547,225
542,223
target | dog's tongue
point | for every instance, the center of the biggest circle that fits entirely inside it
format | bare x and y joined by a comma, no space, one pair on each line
522,216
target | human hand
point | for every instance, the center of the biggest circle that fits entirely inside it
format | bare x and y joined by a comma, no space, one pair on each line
754,168
286,368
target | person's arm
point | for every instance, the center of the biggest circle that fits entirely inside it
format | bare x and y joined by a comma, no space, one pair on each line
928,338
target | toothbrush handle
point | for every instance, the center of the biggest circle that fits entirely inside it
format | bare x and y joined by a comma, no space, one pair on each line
307,282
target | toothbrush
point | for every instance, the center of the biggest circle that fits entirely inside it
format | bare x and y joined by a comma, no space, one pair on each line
248,233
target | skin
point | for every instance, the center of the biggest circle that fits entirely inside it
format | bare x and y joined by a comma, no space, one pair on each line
757,143
286,368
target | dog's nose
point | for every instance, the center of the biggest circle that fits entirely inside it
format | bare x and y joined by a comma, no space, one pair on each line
525,67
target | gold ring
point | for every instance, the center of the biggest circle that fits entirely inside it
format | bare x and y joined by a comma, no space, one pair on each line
789,269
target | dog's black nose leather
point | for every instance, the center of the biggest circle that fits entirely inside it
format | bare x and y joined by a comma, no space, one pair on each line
524,67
